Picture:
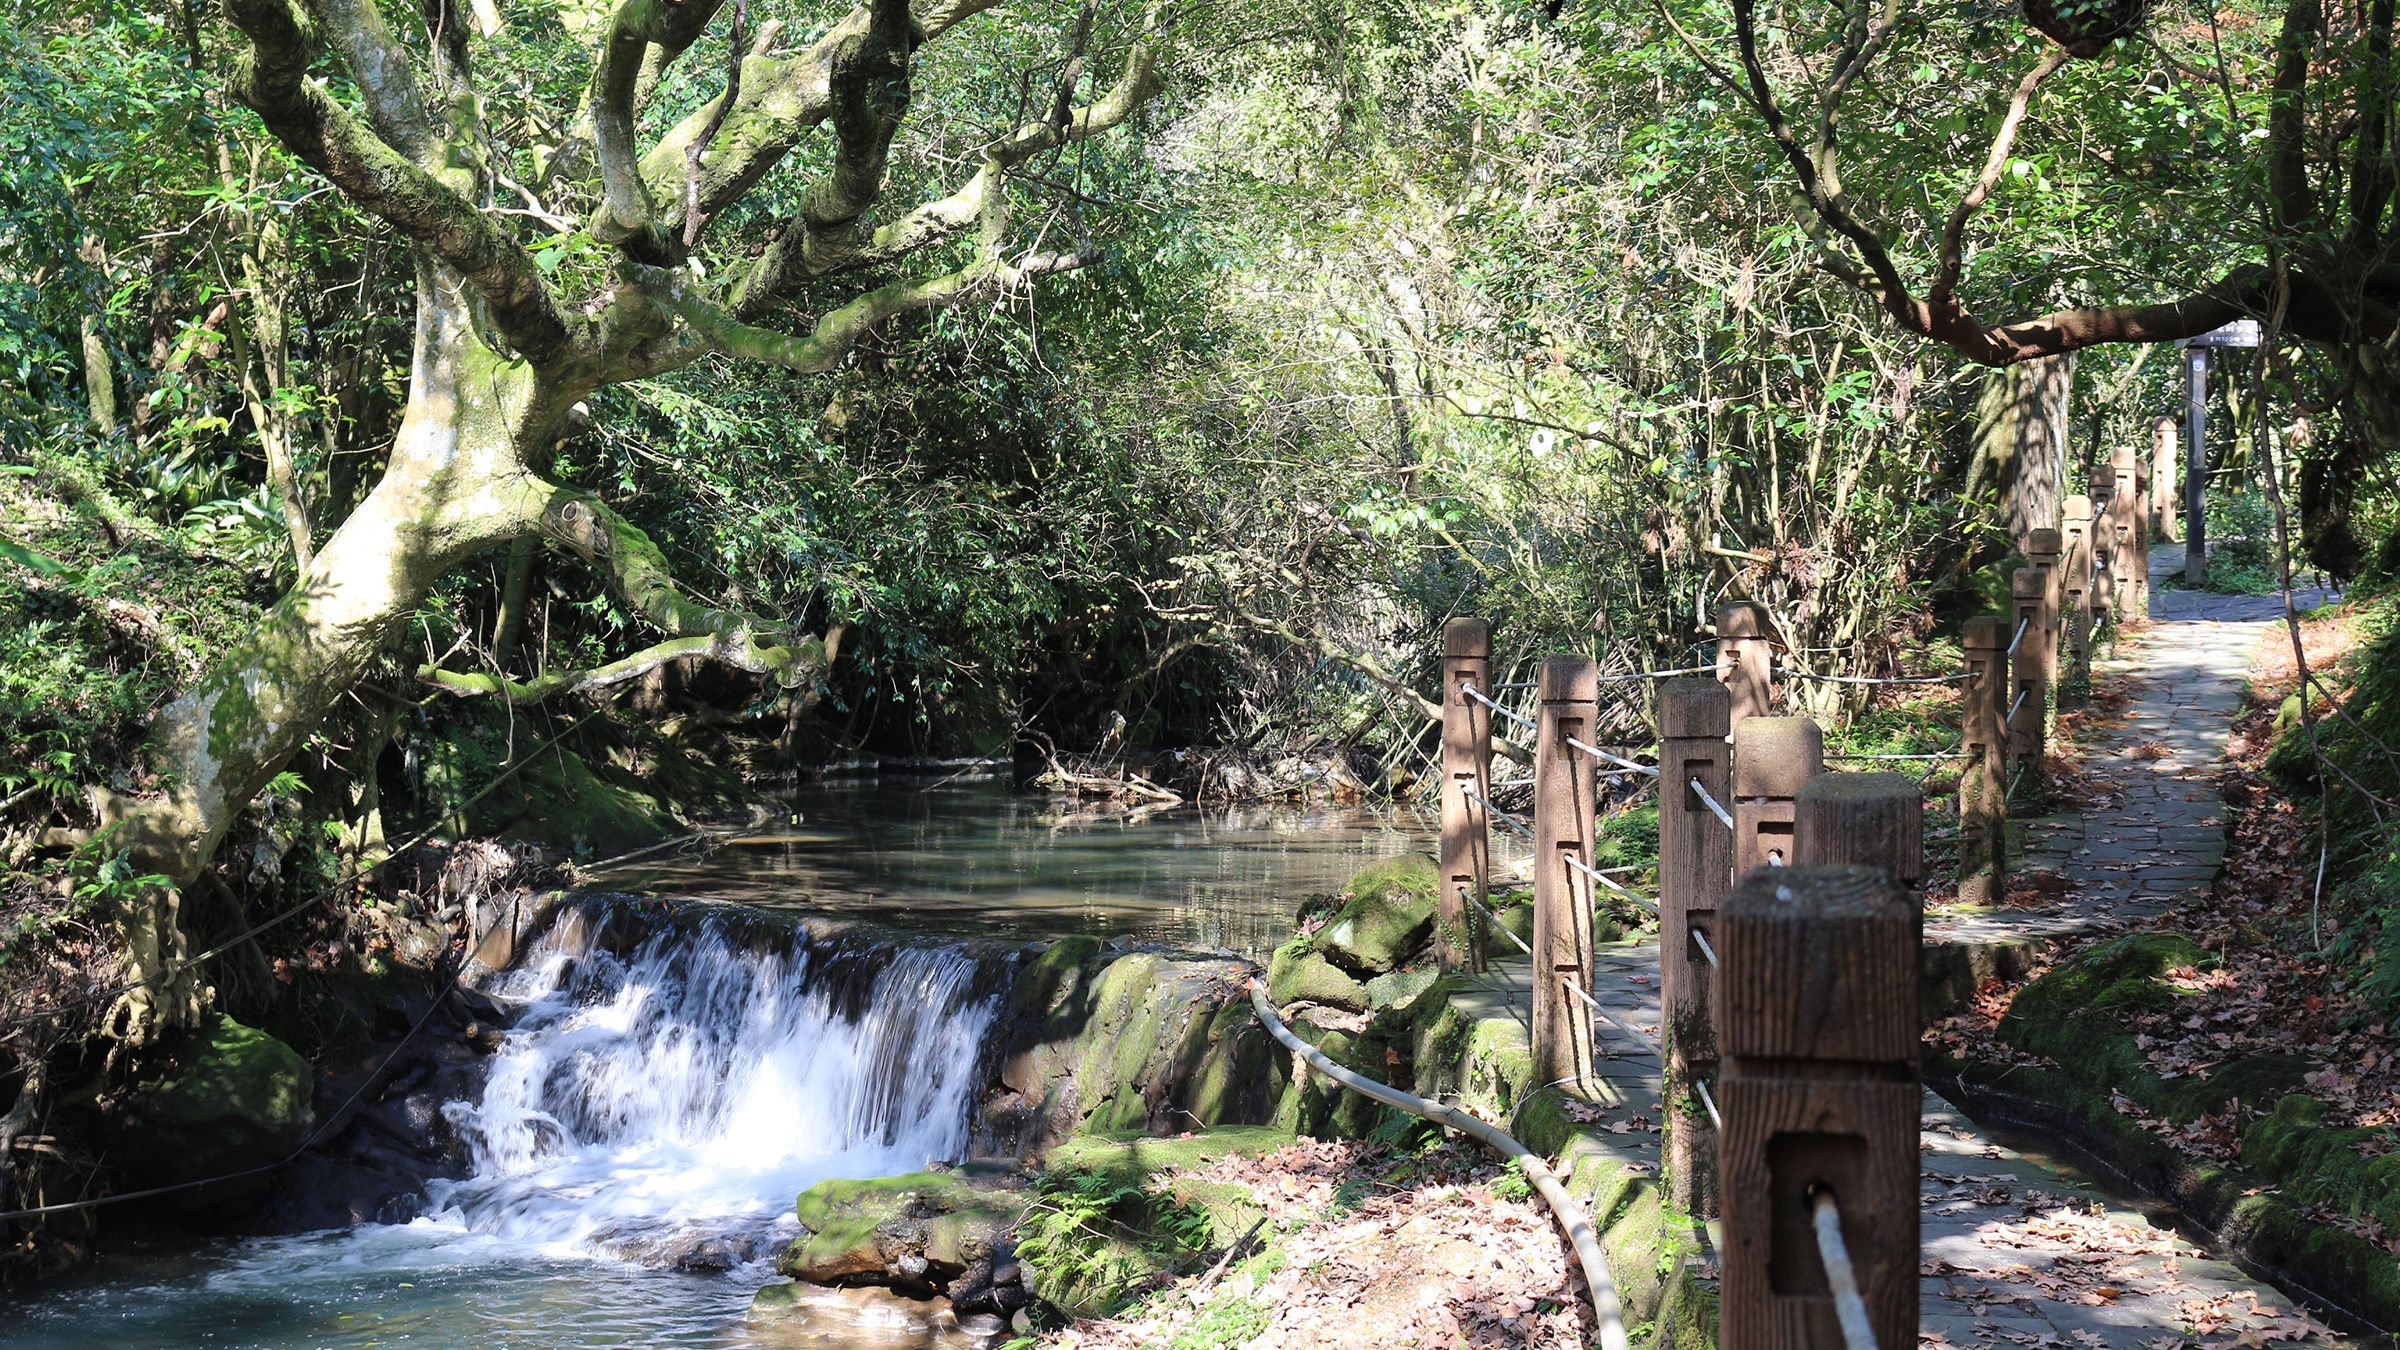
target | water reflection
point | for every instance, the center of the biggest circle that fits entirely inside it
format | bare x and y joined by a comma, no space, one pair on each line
974,859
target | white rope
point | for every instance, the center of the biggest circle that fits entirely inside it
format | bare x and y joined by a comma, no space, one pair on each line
1575,988
2020,637
1619,760
1705,949
1477,901
1659,674
1955,752
1595,874
1716,807
1511,714
2019,705
1571,1216
1962,676
1710,1102
1857,1332
1507,818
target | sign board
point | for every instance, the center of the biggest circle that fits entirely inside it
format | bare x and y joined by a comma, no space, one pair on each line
2239,333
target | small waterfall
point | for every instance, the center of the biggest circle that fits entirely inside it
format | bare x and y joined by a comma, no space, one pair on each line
667,1089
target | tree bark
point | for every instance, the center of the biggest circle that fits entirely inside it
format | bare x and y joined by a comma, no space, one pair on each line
2020,442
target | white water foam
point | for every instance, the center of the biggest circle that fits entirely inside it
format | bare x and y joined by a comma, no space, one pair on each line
691,1088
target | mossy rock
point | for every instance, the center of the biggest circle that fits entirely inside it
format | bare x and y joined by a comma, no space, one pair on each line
1132,1250
1134,1159
1400,989
865,1230
1315,1105
2354,1171
224,1099
1386,918
2075,1015
1301,976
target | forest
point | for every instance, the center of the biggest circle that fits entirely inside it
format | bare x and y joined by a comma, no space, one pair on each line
449,449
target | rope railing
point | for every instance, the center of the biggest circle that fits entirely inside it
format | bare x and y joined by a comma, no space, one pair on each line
1706,950
1709,1100
1510,819
1849,1306
1602,878
1709,800
2018,638
1605,757
1657,674
1510,713
1959,678
1575,987
1503,930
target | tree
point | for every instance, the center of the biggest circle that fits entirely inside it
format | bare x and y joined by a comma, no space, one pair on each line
535,290
2310,150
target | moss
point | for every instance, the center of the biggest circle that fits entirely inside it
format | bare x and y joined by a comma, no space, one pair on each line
226,1098
2352,1171
2074,1014
1133,1158
1386,917
857,1228
1306,977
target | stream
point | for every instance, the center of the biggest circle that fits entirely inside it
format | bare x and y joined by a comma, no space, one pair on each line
665,1092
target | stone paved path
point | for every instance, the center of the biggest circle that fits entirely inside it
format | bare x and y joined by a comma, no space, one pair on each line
2015,1253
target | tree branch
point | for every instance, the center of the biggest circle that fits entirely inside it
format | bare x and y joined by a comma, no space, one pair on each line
271,79
1954,233
639,576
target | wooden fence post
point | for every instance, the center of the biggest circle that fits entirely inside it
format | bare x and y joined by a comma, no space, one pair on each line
1466,763
2141,539
2126,557
1565,808
1862,820
1695,869
1773,758
2075,594
2029,674
1746,658
2166,439
1820,1098
1983,779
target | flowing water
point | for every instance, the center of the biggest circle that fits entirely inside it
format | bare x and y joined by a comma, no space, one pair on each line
668,1086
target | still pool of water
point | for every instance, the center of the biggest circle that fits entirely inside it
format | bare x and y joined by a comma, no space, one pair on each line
686,1086
972,859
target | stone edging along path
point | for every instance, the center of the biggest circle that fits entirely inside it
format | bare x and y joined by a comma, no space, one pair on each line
2015,1253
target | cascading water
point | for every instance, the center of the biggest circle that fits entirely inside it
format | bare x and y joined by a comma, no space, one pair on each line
670,1084
683,1091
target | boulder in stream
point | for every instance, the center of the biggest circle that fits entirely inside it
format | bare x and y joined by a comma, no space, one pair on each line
221,1100
917,1232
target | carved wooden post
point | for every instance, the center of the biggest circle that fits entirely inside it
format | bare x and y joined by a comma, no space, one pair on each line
1983,778
1565,806
1695,868
2029,674
2165,437
1746,658
1820,1098
2044,549
1773,758
2126,559
2075,596
1466,763
2141,539
1863,820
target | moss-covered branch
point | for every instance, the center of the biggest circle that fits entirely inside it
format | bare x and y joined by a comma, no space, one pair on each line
642,580
272,79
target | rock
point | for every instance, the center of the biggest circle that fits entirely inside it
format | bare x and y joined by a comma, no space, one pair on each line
1303,976
1096,1040
911,1232
1400,988
223,1099
1386,918
797,1315
1111,1262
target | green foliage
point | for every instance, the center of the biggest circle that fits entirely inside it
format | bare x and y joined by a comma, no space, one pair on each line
1511,1183
2360,783
1106,1235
